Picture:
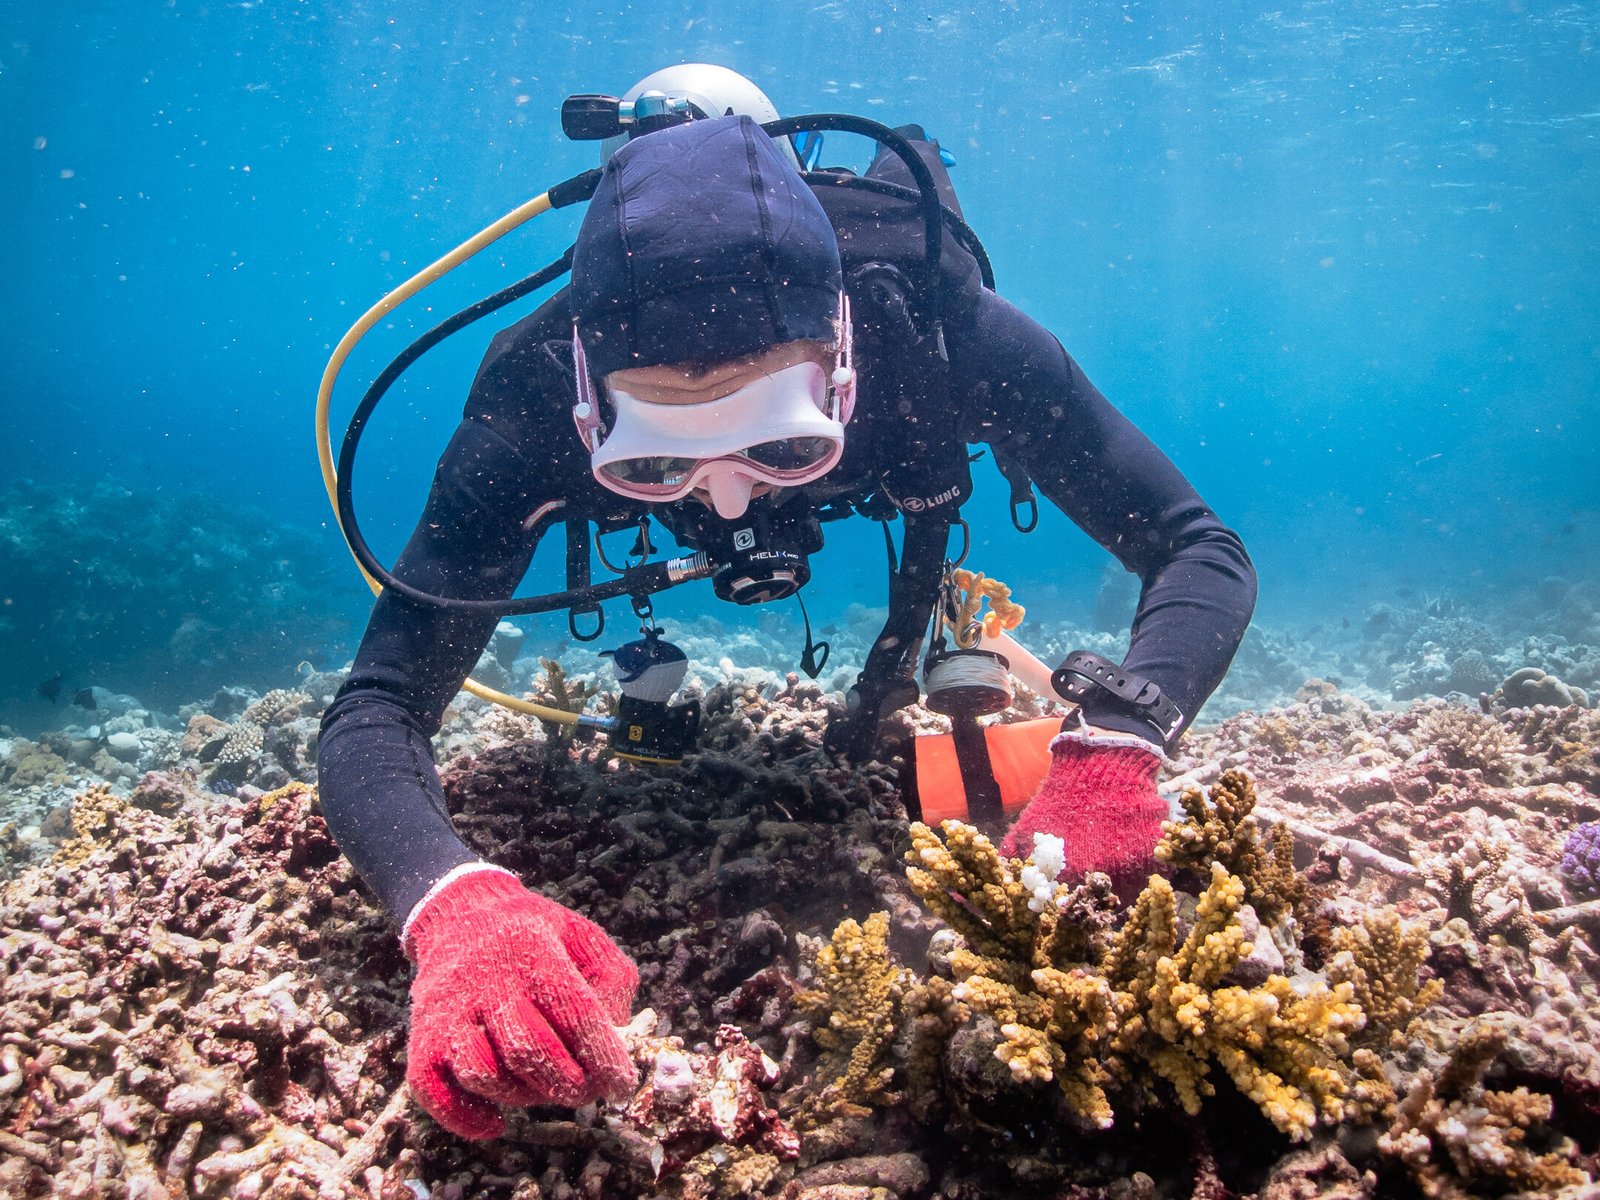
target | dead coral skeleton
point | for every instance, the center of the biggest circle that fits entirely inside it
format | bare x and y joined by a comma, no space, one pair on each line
693,1107
1454,1136
158,1018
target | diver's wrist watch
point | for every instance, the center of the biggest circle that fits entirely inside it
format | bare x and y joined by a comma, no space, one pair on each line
1083,674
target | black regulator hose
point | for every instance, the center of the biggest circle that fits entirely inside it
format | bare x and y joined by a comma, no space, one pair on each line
928,197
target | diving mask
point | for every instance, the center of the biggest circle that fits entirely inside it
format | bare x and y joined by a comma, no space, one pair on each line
785,428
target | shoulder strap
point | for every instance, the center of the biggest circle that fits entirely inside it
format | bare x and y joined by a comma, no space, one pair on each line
922,464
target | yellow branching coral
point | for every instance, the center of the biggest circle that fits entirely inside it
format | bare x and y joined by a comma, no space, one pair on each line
963,880
1017,965
101,818
930,1014
1281,1047
1085,1011
857,1004
1381,958
1221,828
974,588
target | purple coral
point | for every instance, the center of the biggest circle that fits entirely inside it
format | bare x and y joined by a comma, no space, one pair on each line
1580,859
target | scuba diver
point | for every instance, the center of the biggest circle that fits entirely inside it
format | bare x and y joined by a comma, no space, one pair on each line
748,347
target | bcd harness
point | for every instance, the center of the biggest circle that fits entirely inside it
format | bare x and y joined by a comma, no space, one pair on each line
910,263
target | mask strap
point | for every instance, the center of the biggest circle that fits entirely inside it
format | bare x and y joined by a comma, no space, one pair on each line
586,412
844,376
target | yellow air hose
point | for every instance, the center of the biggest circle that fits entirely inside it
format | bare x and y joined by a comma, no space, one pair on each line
429,274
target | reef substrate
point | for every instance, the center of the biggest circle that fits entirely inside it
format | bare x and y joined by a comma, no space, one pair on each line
198,998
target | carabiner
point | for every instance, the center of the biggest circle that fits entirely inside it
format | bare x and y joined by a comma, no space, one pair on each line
642,547
966,544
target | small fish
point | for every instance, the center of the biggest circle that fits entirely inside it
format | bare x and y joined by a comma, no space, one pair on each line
54,688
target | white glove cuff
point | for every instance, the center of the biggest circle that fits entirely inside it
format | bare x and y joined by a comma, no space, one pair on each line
1130,741
439,885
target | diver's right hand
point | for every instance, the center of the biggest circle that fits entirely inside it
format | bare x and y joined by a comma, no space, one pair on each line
514,1003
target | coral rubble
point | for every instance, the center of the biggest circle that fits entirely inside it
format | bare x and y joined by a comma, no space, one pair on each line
1367,974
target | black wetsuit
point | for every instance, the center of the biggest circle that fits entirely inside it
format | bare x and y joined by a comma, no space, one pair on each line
517,449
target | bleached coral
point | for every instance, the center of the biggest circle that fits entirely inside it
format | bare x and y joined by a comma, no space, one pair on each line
1043,868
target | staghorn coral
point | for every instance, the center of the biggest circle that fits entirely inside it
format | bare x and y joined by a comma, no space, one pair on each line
1221,828
857,1001
1454,1136
1087,1011
1382,959
1284,1046
101,818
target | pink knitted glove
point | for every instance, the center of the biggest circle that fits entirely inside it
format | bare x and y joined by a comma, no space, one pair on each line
513,1004
1100,799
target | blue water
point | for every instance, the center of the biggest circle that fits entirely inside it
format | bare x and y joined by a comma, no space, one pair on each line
1337,259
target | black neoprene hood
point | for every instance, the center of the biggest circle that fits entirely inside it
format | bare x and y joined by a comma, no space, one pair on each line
701,243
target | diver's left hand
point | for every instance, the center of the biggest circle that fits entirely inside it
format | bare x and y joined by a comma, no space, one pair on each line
1100,799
